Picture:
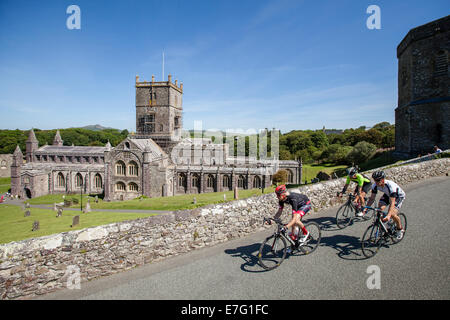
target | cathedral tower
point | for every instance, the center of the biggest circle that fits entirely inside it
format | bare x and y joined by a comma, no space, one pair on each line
159,111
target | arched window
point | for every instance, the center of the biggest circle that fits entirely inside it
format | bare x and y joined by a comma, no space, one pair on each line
256,182
78,180
120,186
241,181
290,176
195,181
226,182
210,181
133,169
181,180
120,168
133,187
98,183
60,180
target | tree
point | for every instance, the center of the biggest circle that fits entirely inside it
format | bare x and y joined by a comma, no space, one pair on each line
280,177
361,152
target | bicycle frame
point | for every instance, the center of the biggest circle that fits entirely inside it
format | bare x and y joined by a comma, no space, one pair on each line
278,232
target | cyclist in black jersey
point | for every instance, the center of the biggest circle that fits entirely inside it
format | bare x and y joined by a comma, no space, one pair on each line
300,206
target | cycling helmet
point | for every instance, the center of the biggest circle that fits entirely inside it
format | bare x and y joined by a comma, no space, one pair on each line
352,171
378,175
280,189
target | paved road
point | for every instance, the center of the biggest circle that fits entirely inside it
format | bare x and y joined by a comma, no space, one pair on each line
416,268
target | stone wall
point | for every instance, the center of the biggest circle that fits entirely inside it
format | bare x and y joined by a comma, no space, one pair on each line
38,266
5,165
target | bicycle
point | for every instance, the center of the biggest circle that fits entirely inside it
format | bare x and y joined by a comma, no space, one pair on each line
273,250
347,212
380,233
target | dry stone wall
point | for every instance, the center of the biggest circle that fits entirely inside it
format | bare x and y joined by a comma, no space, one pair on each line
41,265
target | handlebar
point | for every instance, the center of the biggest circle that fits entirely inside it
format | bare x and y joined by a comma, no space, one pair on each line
277,221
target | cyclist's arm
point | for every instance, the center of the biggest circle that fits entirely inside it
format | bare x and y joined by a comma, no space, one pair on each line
372,198
346,185
279,212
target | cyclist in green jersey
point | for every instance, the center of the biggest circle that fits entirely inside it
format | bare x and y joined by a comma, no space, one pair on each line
363,186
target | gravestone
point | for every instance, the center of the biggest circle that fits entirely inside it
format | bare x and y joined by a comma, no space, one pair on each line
75,221
224,197
59,211
96,199
35,226
236,193
55,208
88,207
27,213
194,201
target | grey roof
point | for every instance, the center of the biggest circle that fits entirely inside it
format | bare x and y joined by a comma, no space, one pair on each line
150,146
63,150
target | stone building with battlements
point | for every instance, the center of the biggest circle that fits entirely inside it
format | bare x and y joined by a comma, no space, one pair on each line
422,117
155,161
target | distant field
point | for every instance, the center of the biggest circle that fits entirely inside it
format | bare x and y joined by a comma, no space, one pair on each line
14,226
5,184
178,202
311,171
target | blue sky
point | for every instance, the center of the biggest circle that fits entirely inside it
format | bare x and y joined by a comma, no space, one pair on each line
248,64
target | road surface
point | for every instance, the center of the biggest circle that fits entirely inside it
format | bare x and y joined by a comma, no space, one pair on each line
416,268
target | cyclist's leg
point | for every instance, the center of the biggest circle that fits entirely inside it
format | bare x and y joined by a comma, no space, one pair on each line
398,222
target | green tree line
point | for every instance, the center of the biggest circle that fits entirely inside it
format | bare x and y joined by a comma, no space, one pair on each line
9,139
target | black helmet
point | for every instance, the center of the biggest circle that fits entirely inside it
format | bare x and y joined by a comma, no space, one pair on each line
378,175
352,171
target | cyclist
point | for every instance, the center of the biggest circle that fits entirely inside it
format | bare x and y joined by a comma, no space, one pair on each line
300,206
393,197
363,186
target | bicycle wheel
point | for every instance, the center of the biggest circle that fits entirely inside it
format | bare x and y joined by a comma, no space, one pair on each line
371,240
404,226
344,216
313,240
272,252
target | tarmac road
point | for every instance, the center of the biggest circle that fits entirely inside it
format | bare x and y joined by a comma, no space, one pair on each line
416,268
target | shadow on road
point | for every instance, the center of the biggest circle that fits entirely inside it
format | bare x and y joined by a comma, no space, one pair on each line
347,247
249,255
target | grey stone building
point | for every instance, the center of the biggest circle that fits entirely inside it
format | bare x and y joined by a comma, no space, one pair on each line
5,165
155,161
422,117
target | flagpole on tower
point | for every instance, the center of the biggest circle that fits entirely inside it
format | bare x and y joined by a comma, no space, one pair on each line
163,66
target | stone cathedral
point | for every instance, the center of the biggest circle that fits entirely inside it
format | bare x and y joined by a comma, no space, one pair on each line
155,161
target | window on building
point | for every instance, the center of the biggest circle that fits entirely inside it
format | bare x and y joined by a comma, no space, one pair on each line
256,182
133,169
120,168
181,180
226,182
133,187
60,180
78,180
241,181
98,183
210,181
195,181
120,186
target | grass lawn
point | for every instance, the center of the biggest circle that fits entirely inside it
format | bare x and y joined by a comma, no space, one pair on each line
14,226
5,184
179,202
311,171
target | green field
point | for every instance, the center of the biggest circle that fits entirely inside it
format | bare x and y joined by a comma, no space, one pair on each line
179,202
5,184
14,226
311,171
